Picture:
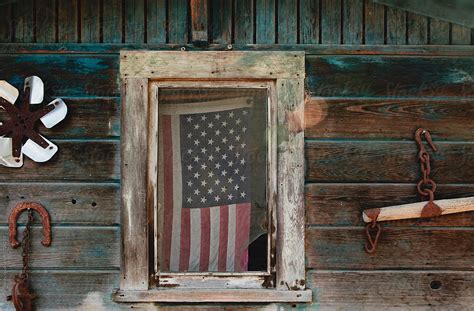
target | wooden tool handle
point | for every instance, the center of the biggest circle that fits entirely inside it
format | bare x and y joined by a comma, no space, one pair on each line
413,210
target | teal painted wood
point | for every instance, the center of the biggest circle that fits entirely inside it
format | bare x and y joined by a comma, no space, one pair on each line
90,21
6,26
178,21
287,22
112,21
156,21
67,21
243,21
353,21
374,23
396,26
199,21
221,21
417,29
309,21
439,31
331,21
265,21
460,34
45,21
134,21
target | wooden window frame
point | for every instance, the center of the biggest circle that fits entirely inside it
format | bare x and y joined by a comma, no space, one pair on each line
142,73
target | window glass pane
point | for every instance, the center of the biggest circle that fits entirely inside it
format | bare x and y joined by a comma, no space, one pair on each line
212,180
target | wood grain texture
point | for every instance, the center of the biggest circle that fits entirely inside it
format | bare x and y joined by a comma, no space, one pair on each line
134,268
67,21
341,204
331,21
67,203
243,22
389,76
460,34
353,26
65,75
90,21
156,21
75,161
6,24
385,161
374,23
134,21
221,21
112,22
265,21
368,118
417,25
309,21
199,20
178,21
287,22
396,26
45,28
439,31
398,248
72,247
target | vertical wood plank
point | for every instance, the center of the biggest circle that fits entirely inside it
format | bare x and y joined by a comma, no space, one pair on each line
67,21
460,34
331,21
417,29
178,21
309,21
45,21
265,21
396,26
6,24
290,219
134,21
353,21
374,23
112,21
134,146
439,31
221,21
243,22
156,21
199,20
90,21
23,21
287,22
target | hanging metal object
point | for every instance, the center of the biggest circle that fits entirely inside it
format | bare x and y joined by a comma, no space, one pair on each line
21,294
23,137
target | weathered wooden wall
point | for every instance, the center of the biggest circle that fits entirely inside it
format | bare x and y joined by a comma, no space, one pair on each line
363,106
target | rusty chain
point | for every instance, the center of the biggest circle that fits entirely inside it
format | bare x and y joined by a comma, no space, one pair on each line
25,246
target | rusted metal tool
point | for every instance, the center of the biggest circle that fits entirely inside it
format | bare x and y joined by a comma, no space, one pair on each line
21,294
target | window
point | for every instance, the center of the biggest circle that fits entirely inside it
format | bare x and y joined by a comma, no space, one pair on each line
212,177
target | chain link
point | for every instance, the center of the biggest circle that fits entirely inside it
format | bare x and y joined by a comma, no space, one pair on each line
26,245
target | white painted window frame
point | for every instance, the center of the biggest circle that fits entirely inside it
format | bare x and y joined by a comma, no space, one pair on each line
142,73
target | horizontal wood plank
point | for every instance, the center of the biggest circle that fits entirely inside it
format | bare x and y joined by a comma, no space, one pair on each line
65,75
76,160
386,161
72,247
388,118
342,204
389,76
398,248
67,203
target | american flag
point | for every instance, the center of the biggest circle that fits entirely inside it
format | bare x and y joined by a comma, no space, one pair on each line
204,191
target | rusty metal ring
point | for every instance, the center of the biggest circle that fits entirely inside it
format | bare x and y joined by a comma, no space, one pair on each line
20,208
428,182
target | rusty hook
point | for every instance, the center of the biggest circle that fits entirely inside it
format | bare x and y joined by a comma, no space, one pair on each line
427,135
17,210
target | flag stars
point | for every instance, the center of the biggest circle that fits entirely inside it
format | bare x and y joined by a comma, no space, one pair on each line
243,145
190,151
231,114
217,132
203,118
190,167
243,194
231,147
224,173
230,180
197,175
242,161
203,200
230,196
230,163
203,134
210,174
196,142
189,135
189,119
238,121
189,200
203,166
210,157
223,189
210,191
224,140
196,126
224,123
197,192
244,129
231,131
196,159
217,198
210,125
245,112
190,183
203,183
210,141
217,116
203,150
224,156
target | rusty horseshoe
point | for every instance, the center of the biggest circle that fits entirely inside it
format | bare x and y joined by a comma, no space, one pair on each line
17,210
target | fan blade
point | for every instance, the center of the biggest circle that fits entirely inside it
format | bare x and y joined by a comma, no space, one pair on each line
36,86
56,115
37,153
8,92
6,158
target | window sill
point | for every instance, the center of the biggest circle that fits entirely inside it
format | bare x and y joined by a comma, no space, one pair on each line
213,295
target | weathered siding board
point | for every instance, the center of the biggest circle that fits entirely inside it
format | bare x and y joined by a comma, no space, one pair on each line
90,21
386,118
341,204
353,32
23,17
439,31
45,21
243,21
77,160
156,21
67,21
287,22
389,76
68,203
396,26
386,161
65,75
112,21
374,23
178,21
265,21
460,34
134,21
73,247
331,21
417,29
309,21
6,25
221,19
